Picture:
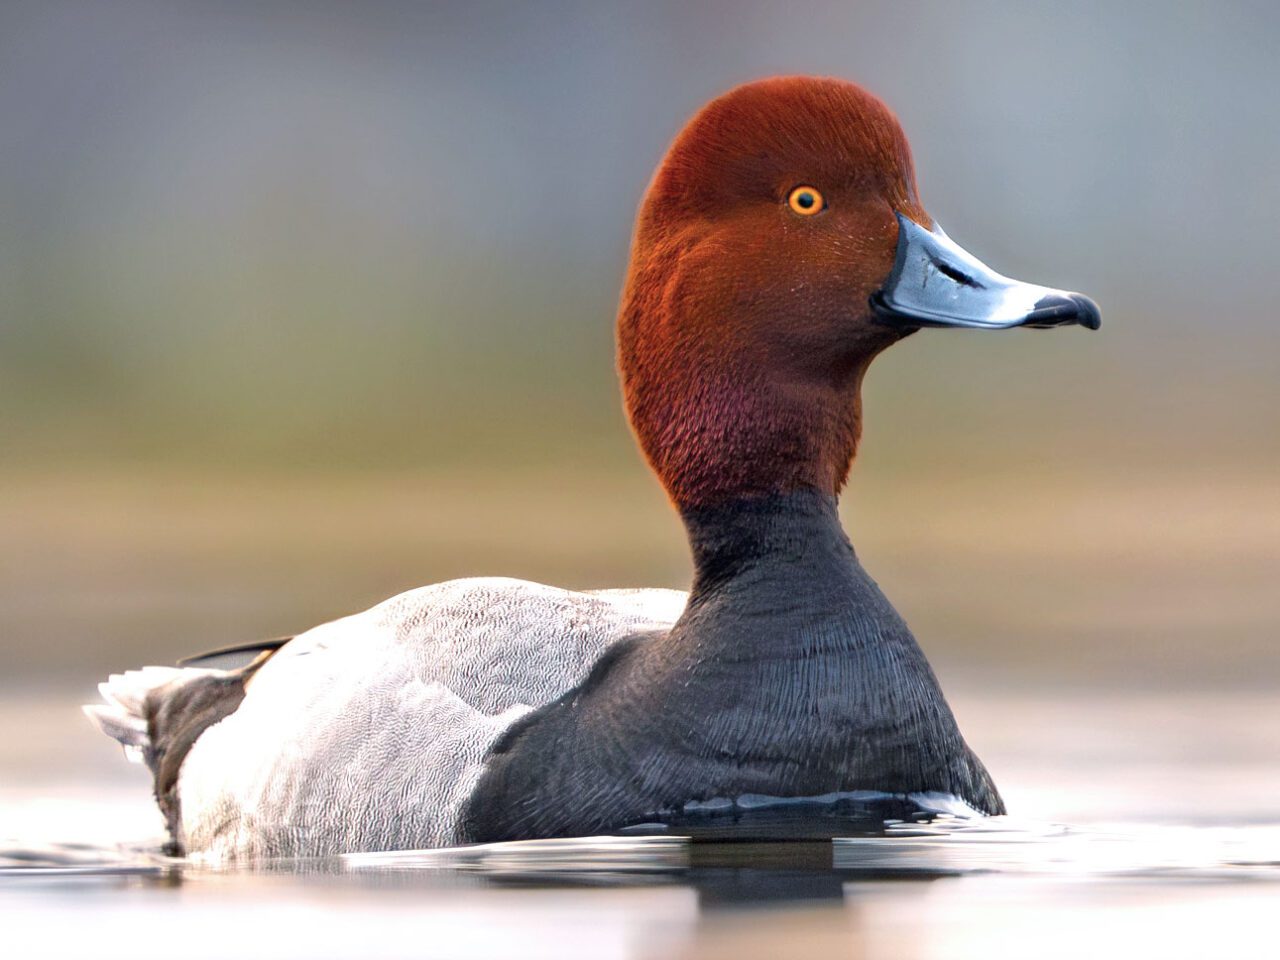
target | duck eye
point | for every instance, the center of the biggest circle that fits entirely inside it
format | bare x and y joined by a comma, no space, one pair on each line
806,201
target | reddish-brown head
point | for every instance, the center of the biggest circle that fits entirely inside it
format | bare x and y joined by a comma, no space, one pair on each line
744,329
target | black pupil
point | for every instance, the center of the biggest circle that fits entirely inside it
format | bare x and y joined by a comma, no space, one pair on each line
805,200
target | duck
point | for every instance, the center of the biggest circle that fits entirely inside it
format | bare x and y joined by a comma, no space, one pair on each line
780,247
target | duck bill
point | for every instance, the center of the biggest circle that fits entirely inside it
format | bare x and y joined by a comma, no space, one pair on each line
937,283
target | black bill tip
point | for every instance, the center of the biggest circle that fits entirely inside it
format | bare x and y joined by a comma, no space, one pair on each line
1057,310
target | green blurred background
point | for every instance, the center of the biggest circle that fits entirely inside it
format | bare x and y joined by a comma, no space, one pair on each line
302,304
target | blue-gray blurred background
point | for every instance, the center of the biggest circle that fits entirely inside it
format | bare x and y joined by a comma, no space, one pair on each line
302,304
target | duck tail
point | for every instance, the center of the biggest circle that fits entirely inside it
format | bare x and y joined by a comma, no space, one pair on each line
158,713
123,715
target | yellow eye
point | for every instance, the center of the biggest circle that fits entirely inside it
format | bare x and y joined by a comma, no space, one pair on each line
806,201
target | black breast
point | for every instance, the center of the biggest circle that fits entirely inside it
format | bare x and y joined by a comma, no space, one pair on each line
789,675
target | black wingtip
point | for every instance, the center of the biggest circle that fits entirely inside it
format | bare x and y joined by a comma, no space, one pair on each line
254,646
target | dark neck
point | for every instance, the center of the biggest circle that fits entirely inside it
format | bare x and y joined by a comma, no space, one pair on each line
732,536
794,537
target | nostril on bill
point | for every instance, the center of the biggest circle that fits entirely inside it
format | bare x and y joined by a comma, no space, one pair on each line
959,276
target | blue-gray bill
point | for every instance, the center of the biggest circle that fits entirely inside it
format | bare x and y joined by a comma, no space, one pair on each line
937,283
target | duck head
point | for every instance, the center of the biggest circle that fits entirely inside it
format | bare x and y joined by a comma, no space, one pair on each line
780,247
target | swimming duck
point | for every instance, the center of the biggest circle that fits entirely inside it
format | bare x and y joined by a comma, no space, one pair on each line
780,247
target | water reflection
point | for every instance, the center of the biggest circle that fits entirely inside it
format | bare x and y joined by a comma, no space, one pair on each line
732,871
910,889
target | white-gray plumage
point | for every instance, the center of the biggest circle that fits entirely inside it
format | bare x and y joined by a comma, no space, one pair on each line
368,733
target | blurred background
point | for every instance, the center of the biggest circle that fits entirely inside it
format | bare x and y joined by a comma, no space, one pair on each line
303,304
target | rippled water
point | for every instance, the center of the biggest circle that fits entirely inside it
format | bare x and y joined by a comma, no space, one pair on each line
1171,848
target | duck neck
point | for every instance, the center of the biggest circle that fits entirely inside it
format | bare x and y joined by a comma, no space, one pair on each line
784,555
